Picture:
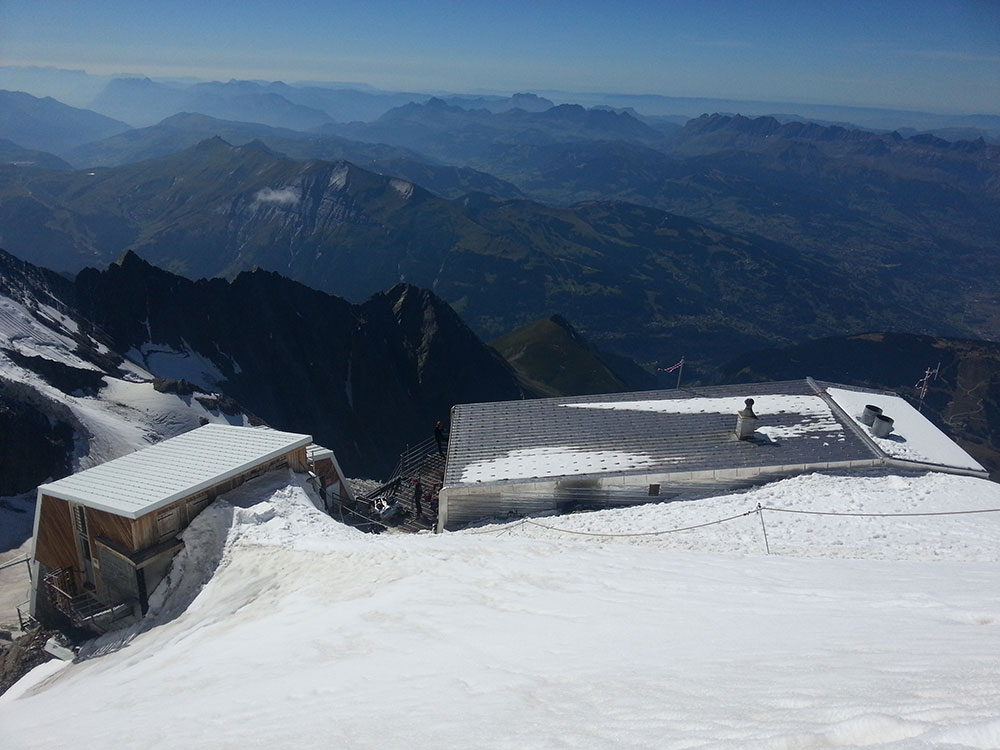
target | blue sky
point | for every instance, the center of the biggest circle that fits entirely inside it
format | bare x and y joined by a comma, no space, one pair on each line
941,55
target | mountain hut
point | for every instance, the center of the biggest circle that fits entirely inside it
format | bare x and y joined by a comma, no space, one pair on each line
514,458
105,537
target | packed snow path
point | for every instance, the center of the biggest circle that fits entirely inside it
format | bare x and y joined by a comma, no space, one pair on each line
281,628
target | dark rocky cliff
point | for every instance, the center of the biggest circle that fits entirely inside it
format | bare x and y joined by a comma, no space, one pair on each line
365,380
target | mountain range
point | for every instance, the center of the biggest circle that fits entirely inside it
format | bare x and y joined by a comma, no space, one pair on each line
913,219
636,280
49,125
726,235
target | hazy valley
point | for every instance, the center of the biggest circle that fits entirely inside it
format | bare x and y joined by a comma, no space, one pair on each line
655,236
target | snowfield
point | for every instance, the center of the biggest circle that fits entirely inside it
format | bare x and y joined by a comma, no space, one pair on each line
278,627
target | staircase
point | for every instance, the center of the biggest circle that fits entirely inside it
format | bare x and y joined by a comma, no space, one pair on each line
83,608
423,461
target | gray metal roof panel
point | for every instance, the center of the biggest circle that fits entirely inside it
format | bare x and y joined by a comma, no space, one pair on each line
682,430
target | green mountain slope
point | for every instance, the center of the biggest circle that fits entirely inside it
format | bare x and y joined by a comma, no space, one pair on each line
554,360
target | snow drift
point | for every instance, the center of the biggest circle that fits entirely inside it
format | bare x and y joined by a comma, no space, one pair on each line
279,627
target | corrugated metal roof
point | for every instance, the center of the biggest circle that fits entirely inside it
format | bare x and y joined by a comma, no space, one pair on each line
647,432
141,482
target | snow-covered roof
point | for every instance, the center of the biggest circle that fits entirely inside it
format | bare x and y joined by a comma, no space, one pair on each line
141,482
914,437
677,431
317,452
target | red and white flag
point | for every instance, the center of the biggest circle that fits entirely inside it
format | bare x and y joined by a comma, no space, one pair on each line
672,367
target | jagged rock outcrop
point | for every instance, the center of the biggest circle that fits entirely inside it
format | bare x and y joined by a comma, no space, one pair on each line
365,380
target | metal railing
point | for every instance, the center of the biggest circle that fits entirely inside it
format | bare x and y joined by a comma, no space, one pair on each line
11,563
83,608
410,460
24,619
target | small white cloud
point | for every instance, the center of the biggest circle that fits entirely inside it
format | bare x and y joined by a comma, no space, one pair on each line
285,196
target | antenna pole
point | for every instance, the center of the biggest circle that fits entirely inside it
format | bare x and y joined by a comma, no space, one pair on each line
922,384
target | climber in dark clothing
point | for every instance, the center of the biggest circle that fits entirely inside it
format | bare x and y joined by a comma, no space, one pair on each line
439,438
418,493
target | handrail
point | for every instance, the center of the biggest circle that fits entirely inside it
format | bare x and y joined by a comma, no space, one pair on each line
12,563
408,460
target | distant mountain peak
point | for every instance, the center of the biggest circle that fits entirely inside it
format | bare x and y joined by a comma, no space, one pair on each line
258,145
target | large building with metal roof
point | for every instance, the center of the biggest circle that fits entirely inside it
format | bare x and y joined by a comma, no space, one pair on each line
105,537
550,455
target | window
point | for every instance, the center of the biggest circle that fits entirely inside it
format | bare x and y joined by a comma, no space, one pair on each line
167,522
196,504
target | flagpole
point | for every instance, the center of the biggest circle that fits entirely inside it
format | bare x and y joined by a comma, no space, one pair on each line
679,367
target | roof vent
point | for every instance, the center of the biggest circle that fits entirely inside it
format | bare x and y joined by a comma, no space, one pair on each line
882,426
746,421
869,414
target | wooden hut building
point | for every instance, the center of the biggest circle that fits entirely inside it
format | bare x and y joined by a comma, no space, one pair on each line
105,537
332,485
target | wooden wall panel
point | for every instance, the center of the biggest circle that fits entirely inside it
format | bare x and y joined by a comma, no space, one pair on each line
145,531
55,546
298,459
115,528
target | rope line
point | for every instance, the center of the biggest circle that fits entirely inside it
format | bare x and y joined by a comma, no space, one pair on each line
500,530
881,515
759,509
642,533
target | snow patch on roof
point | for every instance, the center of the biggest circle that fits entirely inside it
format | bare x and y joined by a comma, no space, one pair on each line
914,437
548,461
763,404
816,415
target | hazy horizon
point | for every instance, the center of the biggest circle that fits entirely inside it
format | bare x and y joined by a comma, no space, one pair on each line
917,55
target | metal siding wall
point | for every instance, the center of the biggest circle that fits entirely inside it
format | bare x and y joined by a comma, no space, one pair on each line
468,505
117,575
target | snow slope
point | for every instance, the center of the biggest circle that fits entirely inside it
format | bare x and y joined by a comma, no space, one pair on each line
125,415
281,628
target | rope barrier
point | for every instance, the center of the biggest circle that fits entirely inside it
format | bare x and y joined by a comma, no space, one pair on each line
881,515
759,509
502,529
642,533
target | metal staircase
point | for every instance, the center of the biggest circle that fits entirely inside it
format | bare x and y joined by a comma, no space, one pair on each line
83,608
423,461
